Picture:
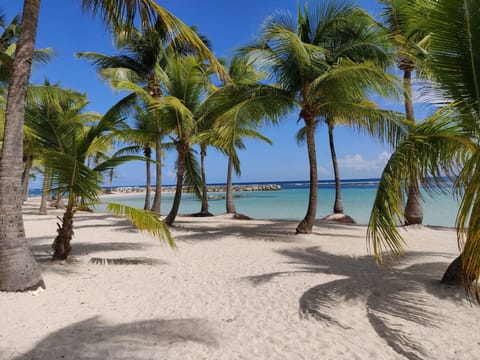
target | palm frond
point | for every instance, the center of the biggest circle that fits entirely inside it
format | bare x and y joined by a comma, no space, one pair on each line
144,220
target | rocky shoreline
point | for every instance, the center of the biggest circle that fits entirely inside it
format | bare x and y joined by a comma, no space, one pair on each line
213,188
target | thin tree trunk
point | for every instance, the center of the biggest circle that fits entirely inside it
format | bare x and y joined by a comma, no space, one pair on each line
182,151
413,209
147,151
26,178
18,269
230,205
45,193
338,205
306,225
204,209
158,175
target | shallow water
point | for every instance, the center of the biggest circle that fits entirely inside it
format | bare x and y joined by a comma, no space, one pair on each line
291,202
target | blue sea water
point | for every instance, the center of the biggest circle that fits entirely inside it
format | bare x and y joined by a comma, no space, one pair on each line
291,202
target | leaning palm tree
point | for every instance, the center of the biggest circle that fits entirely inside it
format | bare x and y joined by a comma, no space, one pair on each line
295,51
66,144
13,246
408,33
445,143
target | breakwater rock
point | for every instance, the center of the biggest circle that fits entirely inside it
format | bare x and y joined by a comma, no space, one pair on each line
211,188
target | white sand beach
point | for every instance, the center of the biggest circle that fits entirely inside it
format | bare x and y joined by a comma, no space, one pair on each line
236,289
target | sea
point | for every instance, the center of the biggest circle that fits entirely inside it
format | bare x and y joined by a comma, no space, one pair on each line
440,209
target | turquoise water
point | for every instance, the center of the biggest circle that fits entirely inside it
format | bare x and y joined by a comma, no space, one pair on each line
291,202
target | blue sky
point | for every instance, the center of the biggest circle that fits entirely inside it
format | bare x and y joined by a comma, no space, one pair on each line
228,24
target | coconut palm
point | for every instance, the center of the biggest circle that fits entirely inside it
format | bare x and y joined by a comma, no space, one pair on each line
295,51
13,245
186,83
237,110
66,144
408,33
444,143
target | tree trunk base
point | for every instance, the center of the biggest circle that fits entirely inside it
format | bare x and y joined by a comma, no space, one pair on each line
453,274
201,214
340,218
238,216
304,227
19,271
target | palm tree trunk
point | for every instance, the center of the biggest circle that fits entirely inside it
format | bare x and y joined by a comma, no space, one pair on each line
306,225
18,269
453,274
413,209
45,192
338,205
147,151
229,189
158,175
182,151
204,209
26,178
61,245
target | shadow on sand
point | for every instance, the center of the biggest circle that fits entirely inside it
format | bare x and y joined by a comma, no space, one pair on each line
403,298
95,339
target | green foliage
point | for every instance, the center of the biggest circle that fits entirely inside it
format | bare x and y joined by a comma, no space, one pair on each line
143,220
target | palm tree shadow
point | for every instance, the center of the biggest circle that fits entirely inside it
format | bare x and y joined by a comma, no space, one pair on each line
94,339
403,298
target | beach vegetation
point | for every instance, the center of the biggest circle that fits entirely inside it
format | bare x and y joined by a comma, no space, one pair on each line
301,54
444,144
410,39
13,245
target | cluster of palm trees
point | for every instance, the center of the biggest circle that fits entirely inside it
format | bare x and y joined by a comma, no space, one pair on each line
325,62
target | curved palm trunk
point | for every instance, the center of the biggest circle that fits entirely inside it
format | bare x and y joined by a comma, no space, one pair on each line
203,154
413,209
26,178
158,176
147,151
230,205
182,152
18,269
306,225
45,193
338,205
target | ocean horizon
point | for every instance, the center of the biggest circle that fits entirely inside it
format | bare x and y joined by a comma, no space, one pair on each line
290,203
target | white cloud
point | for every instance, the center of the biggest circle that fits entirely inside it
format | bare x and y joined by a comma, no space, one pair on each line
172,174
358,166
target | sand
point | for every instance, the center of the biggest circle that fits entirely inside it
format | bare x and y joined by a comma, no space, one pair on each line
236,290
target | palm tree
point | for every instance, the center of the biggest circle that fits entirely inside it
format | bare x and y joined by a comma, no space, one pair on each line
66,144
296,53
236,110
445,143
185,85
13,245
409,36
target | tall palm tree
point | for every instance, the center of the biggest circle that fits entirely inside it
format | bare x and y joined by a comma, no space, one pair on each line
14,253
445,143
237,109
186,83
410,38
296,53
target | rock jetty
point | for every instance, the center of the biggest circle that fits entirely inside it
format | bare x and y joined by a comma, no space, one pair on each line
214,188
